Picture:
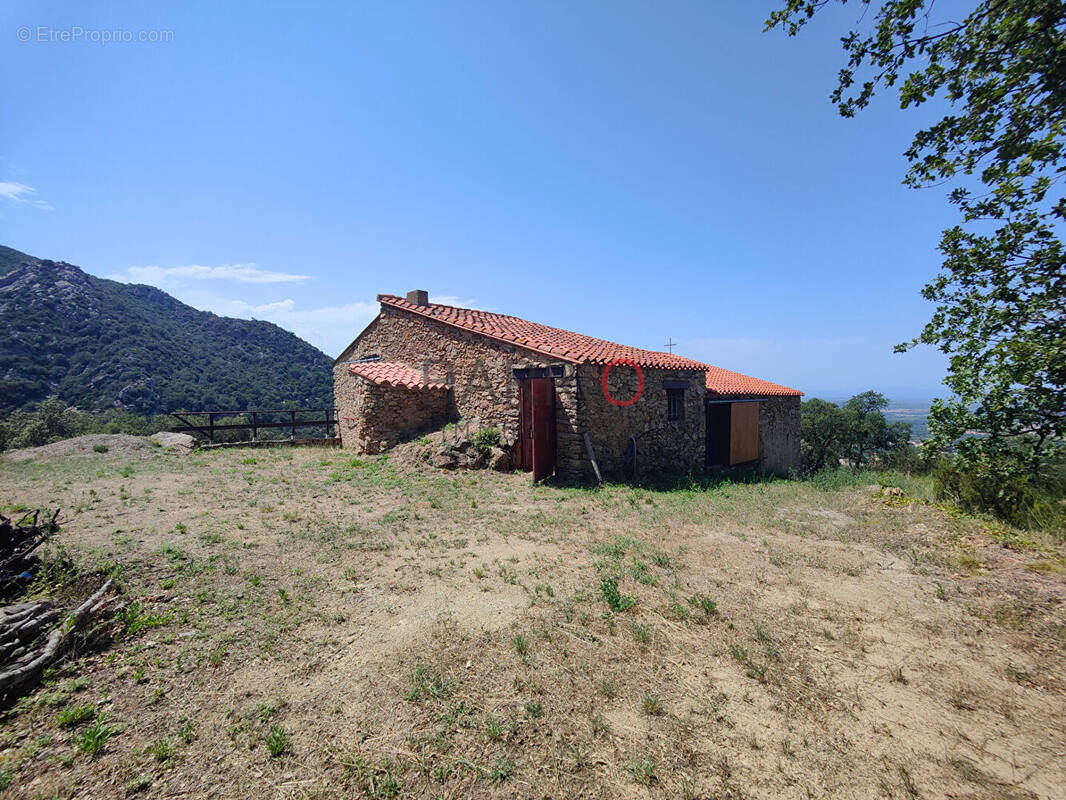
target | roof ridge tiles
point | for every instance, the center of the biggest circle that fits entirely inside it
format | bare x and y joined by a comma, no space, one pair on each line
546,340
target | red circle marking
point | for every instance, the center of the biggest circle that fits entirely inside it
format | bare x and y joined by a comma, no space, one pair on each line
640,381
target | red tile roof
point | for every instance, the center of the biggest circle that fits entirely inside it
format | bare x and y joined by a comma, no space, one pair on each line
552,342
725,383
392,374
579,349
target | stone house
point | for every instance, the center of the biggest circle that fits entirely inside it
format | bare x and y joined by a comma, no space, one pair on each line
565,403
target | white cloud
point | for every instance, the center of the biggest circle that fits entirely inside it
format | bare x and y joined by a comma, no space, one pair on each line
21,193
455,300
241,308
172,276
330,328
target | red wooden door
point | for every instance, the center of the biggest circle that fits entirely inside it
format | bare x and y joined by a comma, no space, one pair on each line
542,402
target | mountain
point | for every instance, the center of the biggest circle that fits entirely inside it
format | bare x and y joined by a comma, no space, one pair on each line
98,344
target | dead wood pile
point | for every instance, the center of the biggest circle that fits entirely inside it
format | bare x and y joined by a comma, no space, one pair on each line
35,634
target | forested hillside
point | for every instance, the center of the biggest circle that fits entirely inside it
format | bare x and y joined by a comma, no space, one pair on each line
99,344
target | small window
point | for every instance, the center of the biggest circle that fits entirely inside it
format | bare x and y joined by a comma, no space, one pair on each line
675,404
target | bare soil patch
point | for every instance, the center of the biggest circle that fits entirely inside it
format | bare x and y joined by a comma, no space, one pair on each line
89,444
316,625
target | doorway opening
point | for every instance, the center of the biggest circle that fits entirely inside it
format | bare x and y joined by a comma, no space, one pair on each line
732,433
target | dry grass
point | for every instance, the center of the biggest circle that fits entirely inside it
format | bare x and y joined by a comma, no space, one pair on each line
313,625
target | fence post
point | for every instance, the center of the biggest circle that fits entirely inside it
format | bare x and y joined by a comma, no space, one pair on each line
293,421
255,424
211,426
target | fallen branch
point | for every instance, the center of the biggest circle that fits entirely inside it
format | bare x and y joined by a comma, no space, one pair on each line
31,664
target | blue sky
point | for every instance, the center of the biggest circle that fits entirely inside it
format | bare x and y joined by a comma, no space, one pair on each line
633,171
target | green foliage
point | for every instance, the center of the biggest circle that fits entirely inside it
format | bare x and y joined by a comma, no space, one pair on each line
74,715
521,644
135,352
991,486
136,619
52,420
834,479
857,433
652,704
486,439
162,749
821,434
375,780
1000,296
501,770
708,606
615,600
868,433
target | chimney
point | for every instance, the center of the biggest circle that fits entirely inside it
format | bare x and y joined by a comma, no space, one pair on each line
419,297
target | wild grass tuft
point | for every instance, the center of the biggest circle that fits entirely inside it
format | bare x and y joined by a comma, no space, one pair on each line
425,683
643,772
652,705
277,741
92,740
72,715
642,633
162,749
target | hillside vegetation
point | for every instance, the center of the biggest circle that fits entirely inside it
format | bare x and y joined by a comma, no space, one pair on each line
98,344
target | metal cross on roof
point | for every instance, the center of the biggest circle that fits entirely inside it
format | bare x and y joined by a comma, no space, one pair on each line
670,345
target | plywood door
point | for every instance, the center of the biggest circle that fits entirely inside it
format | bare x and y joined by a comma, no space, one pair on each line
542,396
743,433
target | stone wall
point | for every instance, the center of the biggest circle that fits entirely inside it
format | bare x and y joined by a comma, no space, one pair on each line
374,417
779,434
481,373
480,370
661,444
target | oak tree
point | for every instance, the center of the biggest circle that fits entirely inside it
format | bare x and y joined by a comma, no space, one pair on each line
1000,296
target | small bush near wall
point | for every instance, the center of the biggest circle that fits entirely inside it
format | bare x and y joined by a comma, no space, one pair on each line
486,439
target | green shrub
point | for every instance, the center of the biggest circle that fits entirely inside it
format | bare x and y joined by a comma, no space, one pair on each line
1011,497
486,439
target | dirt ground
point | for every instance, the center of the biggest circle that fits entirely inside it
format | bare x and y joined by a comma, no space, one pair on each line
312,625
